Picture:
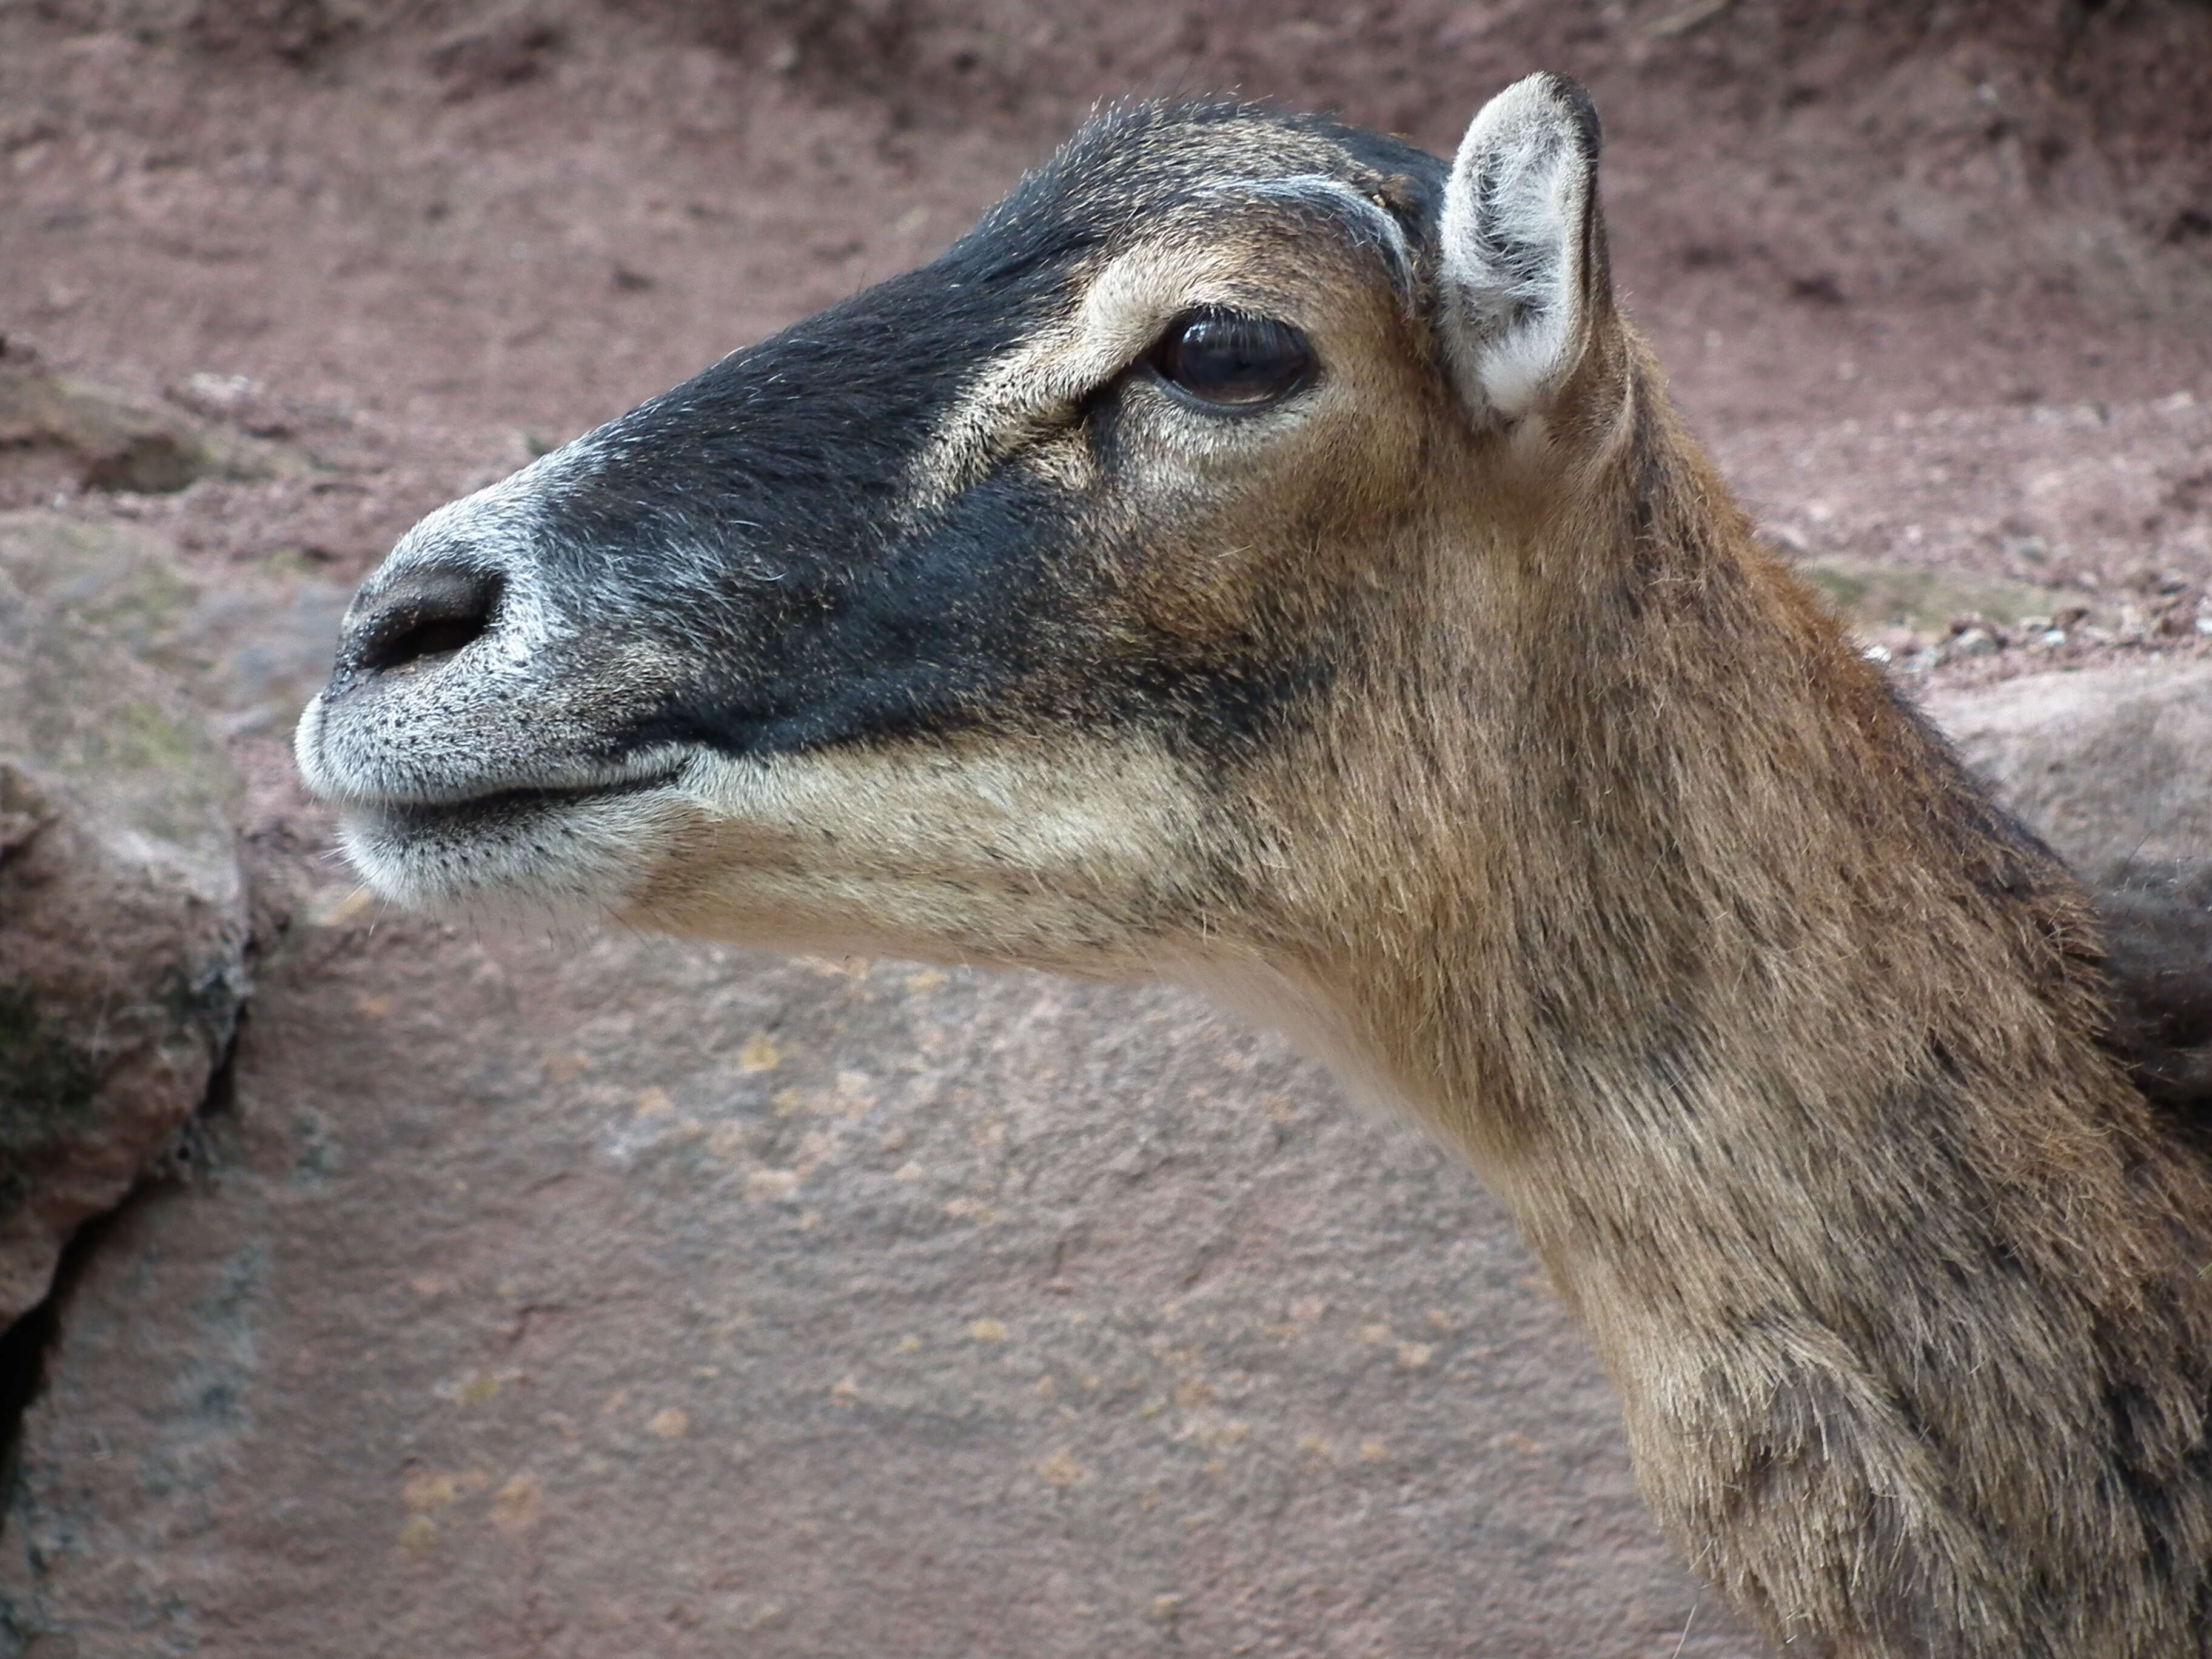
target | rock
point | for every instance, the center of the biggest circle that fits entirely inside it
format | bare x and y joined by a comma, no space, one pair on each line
60,430
615,1297
2112,766
122,929
250,651
1877,596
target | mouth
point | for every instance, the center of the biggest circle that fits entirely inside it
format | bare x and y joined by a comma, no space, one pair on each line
567,847
506,808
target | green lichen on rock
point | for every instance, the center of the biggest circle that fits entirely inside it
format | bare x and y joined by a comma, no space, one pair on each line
251,652
58,426
45,1076
122,906
1924,600
47,1081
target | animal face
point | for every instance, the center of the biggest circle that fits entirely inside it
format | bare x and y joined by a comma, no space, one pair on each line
957,620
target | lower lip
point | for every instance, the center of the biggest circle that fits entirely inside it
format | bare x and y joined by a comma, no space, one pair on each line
512,803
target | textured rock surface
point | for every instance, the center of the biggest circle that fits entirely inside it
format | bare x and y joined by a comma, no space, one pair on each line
122,928
250,651
600,1295
65,431
2112,766
1924,601
605,1297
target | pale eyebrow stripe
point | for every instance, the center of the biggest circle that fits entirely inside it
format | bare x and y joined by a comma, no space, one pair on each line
994,402
1333,195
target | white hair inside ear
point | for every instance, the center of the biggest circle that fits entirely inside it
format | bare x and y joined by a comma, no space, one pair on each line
1516,241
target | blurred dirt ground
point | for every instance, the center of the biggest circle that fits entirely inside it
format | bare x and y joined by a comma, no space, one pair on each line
423,238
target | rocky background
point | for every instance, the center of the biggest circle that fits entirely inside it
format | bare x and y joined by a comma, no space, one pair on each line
381,1289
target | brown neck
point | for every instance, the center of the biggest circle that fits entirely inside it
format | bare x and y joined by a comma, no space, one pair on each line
1781,1042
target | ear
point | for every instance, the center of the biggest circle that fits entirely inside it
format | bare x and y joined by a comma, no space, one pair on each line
1524,283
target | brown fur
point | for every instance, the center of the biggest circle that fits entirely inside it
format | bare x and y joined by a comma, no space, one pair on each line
1783,1044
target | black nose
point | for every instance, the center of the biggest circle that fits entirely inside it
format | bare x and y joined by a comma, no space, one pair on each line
423,616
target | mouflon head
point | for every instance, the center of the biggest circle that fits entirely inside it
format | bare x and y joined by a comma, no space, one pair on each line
969,617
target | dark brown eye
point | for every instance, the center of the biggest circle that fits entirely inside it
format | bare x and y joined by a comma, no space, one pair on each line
1237,362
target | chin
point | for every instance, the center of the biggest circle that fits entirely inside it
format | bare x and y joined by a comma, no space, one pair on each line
518,854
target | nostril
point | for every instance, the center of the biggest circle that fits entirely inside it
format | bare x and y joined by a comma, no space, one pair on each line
432,613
